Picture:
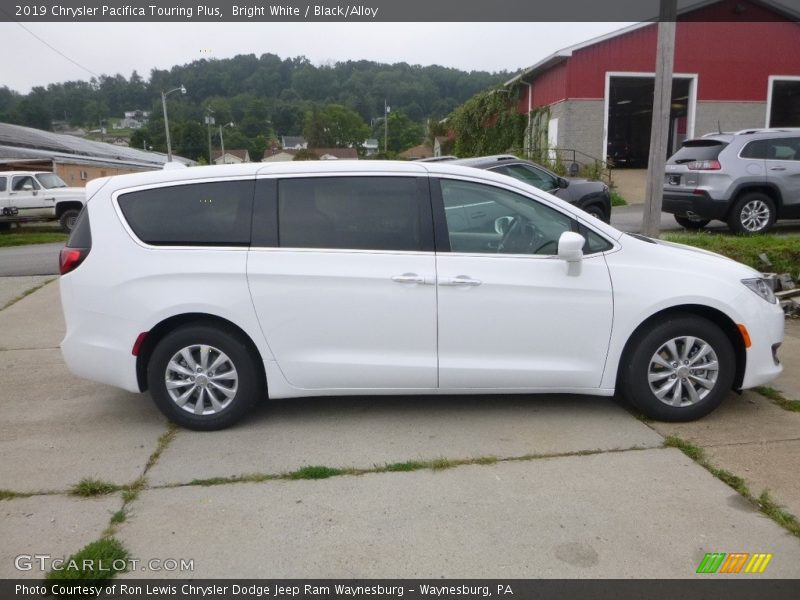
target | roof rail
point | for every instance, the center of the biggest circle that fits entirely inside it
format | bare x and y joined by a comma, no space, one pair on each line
768,130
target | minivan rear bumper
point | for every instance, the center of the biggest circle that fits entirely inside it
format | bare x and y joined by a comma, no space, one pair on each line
694,203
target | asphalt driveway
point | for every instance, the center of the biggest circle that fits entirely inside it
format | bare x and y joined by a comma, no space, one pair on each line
489,486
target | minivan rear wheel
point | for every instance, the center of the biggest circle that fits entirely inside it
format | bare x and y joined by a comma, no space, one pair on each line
203,377
753,213
678,370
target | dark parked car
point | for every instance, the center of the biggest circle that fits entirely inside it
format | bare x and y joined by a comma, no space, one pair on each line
591,196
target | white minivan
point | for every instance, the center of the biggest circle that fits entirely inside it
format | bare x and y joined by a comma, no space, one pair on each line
215,287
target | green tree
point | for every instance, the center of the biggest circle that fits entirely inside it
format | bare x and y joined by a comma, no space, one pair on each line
403,132
346,127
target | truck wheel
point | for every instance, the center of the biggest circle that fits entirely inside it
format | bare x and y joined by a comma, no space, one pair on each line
68,218
5,226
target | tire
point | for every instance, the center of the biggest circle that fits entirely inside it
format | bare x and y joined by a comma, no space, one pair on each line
5,226
596,211
753,213
689,223
180,403
656,346
68,218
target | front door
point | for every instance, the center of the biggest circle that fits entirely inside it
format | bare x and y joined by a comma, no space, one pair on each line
511,314
345,294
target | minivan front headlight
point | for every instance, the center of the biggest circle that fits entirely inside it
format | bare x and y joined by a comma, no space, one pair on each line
758,285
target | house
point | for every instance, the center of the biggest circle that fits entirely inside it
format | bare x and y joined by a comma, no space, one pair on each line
736,67
370,146
293,142
319,153
232,156
134,119
75,160
417,152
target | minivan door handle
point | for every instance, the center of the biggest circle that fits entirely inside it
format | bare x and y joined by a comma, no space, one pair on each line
462,280
408,278
777,168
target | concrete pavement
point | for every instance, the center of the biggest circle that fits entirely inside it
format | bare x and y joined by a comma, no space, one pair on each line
36,259
628,508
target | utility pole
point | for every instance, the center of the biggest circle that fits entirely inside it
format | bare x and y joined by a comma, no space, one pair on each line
209,122
386,109
659,130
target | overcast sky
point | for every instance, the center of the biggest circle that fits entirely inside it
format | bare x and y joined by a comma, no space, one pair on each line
110,48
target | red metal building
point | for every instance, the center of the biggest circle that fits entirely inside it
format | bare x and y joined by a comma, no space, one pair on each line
737,66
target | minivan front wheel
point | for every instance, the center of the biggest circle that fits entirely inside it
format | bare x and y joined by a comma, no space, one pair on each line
203,377
753,213
679,370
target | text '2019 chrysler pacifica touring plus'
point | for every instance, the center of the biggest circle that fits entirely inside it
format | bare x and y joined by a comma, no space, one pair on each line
215,287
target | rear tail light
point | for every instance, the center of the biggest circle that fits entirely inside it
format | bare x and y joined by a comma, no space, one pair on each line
70,258
704,165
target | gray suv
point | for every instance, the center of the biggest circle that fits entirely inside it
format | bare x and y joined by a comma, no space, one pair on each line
748,179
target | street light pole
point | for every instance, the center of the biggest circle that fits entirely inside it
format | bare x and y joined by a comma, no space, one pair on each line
164,95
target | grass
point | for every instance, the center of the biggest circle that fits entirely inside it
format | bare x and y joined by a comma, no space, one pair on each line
764,503
18,238
88,488
778,398
119,517
163,441
777,514
783,251
314,472
9,495
437,464
617,199
97,561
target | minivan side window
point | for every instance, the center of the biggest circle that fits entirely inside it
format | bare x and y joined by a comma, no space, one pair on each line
489,220
198,214
351,213
2,184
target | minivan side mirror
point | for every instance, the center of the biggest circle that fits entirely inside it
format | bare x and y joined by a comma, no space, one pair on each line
570,246
563,183
27,187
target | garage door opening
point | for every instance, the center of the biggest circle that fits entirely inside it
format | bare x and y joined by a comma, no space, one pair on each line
784,104
630,114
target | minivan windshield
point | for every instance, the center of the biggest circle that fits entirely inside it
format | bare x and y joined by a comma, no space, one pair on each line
50,181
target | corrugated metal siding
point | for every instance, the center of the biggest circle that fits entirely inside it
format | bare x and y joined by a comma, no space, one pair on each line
548,88
733,60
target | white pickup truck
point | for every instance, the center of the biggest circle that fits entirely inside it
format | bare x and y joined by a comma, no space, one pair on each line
38,196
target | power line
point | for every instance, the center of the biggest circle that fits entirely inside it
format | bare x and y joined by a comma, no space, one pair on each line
53,48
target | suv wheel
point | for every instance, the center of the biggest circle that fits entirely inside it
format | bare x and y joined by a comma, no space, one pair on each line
68,218
203,377
691,223
753,213
679,370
